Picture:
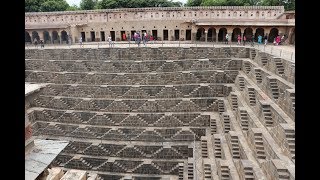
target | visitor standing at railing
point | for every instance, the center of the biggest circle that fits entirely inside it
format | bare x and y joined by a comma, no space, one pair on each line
239,39
244,40
265,40
227,39
80,41
111,44
260,39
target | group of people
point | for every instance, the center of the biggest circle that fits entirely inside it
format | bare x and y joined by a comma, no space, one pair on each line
36,43
277,39
145,38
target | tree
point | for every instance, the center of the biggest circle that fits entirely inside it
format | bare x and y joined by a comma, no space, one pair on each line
194,2
32,5
88,4
54,5
288,4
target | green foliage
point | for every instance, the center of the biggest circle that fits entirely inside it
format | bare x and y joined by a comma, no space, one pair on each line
112,4
54,5
288,4
45,5
88,4
194,2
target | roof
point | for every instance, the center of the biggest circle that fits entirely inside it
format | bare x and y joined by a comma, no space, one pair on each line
41,155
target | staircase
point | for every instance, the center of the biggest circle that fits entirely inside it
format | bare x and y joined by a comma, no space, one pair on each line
279,66
283,174
258,142
264,59
258,75
207,172
241,82
190,171
234,101
235,150
253,54
244,120
213,126
247,67
274,88
217,148
248,173
221,107
180,171
225,174
266,110
204,148
226,123
290,136
252,96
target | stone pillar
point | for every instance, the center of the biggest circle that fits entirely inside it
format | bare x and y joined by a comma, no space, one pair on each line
206,34
51,34
41,35
217,33
193,33
60,37
241,34
229,32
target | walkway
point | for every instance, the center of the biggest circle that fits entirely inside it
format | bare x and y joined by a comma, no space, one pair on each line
284,51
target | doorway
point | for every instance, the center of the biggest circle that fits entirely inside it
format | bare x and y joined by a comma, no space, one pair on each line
83,35
176,35
188,35
155,34
165,35
102,35
93,36
113,35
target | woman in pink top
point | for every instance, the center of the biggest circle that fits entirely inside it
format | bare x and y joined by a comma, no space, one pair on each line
239,39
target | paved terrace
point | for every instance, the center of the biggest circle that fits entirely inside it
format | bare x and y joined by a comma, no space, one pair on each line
284,51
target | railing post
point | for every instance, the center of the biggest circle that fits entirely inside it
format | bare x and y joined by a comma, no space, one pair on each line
291,55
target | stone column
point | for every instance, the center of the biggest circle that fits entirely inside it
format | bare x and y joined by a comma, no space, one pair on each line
241,34
217,33
60,37
193,33
41,35
229,32
206,34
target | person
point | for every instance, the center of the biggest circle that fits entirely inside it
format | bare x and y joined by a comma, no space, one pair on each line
41,43
260,39
265,40
227,39
124,36
282,39
239,39
36,43
111,44
80,41
138,39
135,37
144,38
277,40
244,40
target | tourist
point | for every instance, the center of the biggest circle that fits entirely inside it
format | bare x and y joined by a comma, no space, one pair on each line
138,39
135,37
239,39
244,40
260,39
144,38
124,37
265,40
227,39
41,43
278,40
36,43
111,43
282,39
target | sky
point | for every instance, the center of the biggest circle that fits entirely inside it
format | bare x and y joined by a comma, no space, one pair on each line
77,2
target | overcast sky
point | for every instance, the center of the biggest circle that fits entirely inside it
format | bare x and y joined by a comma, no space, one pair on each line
77,2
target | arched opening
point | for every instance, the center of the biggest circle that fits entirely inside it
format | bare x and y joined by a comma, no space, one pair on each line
248,32
27,37
273,34
46,37
200,36
211,34
35,35
55,37
222,34
235,33
64,37
259,31
292,37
